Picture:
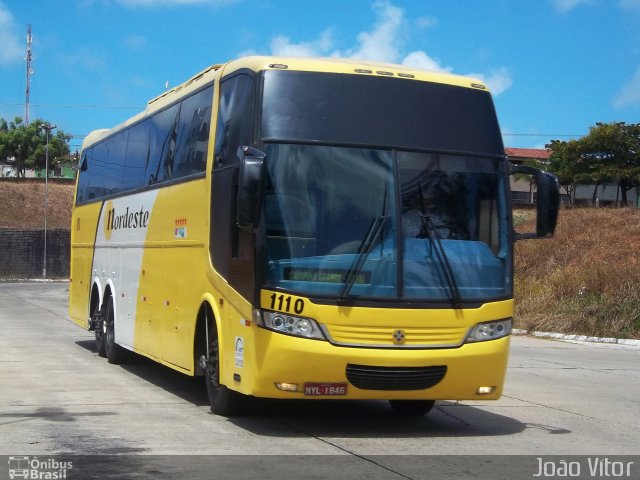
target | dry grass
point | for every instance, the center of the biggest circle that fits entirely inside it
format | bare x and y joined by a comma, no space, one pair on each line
586,279
22,204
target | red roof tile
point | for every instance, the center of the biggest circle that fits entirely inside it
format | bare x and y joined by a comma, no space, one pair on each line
538,153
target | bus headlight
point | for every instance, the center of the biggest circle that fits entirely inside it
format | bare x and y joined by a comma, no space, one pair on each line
489,331
290,324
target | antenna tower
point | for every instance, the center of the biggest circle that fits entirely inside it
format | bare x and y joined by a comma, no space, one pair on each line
29,72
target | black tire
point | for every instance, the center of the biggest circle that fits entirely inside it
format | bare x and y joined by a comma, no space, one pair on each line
98,326
114,352
412,408
223,401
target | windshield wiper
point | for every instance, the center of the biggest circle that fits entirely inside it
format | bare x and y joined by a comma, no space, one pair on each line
441,255
364,249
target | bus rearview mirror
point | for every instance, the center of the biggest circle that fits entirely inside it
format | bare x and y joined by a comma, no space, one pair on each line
547,201
250,182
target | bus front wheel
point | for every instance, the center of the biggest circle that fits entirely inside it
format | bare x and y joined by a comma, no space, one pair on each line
223,401
412,408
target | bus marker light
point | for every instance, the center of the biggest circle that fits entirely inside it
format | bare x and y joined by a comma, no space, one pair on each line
287,387
485,390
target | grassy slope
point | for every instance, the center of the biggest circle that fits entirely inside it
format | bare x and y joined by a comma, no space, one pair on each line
586,279
22,204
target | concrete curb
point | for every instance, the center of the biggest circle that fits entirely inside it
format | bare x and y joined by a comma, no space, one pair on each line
34,280
578,338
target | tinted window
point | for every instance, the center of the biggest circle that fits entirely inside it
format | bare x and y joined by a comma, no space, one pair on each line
83,176
137,155
368,110
171,144
163,139
98,170
114,168
193,134
235,118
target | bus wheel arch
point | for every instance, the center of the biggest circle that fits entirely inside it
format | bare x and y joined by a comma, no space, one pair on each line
223,401
115,353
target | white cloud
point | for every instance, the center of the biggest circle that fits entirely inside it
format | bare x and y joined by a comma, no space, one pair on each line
10,48
282,46
564,6
498,80
422,61
630,93
383,43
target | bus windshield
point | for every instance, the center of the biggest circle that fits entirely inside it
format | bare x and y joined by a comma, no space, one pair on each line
379,223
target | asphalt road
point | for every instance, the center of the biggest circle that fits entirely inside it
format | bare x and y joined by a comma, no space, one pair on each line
57,397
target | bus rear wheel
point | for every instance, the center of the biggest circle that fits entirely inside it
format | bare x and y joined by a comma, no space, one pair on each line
412,408
223,401
98,327
114,352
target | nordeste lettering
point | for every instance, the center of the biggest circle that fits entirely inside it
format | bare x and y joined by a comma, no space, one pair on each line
138,219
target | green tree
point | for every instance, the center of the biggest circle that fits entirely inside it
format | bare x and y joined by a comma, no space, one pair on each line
610,152
24,146
564,162
613,151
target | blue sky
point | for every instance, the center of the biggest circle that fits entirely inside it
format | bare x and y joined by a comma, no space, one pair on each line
556,67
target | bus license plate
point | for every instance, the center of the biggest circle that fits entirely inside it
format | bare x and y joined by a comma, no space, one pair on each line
311,389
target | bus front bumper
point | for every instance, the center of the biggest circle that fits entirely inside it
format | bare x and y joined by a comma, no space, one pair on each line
291,367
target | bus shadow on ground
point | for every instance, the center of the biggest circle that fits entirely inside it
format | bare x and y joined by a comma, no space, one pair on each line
332,418
183,386
372,418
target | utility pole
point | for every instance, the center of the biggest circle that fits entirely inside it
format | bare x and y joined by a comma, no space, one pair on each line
48,129
29,72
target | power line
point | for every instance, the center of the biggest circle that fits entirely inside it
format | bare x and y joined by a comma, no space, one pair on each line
542,134
52,105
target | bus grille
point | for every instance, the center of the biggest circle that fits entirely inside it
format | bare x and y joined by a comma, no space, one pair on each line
382,336
395,378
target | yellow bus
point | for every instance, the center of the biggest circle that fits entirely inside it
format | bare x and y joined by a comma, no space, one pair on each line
305,229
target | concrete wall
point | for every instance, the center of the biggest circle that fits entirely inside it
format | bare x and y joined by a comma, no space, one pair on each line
21,253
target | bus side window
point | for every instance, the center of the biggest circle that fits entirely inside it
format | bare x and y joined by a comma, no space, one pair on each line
137,156
231,250
193,138
114,167
235,114
83,180
162,143
99,169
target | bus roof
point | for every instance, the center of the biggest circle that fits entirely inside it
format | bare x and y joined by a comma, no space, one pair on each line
310,64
